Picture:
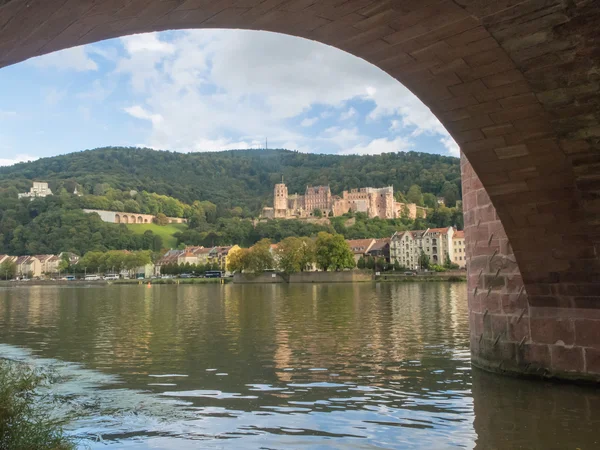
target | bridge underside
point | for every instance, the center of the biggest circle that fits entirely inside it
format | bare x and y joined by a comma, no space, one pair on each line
517,85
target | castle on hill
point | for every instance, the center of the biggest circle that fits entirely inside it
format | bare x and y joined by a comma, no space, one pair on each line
375,202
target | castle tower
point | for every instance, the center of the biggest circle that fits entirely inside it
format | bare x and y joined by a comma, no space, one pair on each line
280,197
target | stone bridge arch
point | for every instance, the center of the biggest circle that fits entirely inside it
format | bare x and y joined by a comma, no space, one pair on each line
515,83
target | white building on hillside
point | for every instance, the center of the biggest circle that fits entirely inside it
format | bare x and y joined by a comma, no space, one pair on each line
39,189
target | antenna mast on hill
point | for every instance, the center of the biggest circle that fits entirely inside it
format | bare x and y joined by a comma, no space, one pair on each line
266,143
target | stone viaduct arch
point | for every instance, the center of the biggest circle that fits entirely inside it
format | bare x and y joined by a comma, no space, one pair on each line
515,82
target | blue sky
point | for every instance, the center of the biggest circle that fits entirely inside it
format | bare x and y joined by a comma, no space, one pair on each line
206,90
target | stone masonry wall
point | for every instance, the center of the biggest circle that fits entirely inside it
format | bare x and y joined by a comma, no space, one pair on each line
508,334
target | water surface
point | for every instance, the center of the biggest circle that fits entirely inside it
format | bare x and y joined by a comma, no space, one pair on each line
353,366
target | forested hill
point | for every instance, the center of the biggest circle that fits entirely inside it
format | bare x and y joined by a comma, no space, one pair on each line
233,178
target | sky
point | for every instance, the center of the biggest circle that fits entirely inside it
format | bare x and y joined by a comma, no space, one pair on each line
209,90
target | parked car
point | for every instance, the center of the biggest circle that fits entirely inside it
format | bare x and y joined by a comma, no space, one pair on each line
92,278
111,277
69,278
185,275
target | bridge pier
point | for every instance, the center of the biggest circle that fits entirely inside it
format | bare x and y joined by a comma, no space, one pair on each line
509,333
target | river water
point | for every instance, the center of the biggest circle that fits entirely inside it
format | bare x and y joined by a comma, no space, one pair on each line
352,366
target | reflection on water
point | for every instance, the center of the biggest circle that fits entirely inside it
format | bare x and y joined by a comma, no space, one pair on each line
272,366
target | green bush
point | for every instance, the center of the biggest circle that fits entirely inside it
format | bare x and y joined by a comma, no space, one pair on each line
25,414
437,268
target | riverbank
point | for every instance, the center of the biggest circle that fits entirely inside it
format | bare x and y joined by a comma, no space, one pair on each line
177,281
349,276
453,276
115,282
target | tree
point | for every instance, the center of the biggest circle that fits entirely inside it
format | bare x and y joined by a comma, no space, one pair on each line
65,263
295,254
131,206
92,261
423,260
259,257
8,270
430,200
317,212
237,260
162,219
333,252
450,194
308,255
361,263
448,264
289,255
381,265
414,195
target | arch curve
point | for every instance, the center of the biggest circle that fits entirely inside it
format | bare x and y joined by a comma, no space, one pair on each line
520,100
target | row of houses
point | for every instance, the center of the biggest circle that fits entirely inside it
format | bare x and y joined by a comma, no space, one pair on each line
405,247
197,255
29,266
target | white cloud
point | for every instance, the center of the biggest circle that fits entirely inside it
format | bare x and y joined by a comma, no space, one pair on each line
16,159
351,112
309,122
381,145
148,42
140,113
201,90
342,137
225,144
207,84
451,145
75,58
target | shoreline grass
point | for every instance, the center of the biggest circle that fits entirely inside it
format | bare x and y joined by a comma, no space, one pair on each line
25,413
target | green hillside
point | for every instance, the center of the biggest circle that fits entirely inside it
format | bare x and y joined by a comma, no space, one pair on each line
165,232
243,178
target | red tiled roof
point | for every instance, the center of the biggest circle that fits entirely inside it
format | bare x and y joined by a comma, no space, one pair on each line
201,251
460,234
360,245
380,243
438,230
21,260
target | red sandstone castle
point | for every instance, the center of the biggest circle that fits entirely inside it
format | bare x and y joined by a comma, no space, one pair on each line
375,202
